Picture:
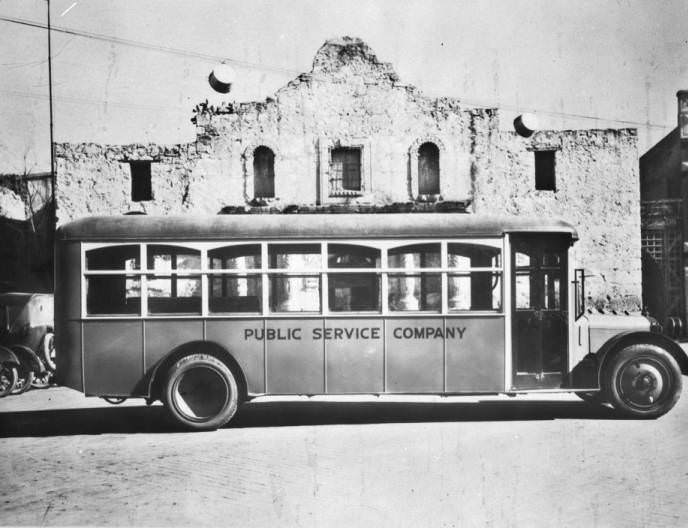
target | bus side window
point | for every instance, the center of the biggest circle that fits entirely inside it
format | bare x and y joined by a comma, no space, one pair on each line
410,288
294,277
173,288
109,292
353,292
476,283
237,290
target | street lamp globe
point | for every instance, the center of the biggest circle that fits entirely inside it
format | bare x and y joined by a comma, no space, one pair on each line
221,78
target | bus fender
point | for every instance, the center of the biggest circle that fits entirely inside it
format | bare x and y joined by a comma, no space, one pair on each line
157,376
28,357
7,356
621,341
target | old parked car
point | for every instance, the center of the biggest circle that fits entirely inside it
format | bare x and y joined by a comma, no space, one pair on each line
26,335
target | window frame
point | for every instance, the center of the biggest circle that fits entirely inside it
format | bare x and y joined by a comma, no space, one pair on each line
271,166
265,272
144,169
337,186
545,182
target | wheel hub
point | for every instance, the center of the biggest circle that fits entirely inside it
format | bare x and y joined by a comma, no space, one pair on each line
200,393
642,383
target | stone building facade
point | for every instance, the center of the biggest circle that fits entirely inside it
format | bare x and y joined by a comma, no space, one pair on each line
349,135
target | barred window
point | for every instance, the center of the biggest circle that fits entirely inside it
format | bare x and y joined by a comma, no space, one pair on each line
345,172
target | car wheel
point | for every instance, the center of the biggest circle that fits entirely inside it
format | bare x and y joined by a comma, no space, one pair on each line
8,378
42,381
48,350
201,392
114,400
25,377
643,381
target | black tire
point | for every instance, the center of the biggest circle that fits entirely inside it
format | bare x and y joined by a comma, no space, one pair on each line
8,379
42,381
48,351
201,392
643,381
25,376
115,400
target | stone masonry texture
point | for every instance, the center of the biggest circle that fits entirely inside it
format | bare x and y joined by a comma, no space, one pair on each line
352,99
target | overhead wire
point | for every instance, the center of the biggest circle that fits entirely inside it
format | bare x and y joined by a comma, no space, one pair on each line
287,71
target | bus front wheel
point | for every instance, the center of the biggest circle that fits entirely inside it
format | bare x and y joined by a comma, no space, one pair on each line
201,392
643,381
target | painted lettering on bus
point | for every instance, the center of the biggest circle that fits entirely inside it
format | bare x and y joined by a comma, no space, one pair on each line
428,332
344,333
272,334
329,334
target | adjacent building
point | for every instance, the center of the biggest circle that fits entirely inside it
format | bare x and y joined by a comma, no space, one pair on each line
664,200
350,135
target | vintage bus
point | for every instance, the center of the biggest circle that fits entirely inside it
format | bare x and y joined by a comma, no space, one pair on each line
206,313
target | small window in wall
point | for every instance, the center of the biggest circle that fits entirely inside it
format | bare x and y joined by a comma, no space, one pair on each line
141,189
345,173
263,173
545,178
428,169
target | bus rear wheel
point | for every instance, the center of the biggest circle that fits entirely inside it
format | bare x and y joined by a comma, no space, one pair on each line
201,392
643,381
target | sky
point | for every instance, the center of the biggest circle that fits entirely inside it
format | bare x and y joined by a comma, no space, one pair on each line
575,63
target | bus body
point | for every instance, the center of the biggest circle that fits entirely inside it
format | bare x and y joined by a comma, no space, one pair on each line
205,313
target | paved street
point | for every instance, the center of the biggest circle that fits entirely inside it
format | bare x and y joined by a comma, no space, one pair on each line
403,462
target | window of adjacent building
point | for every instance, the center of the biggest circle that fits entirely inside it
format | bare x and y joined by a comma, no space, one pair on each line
234,288
349,291
545,177
428,169
141,188
263,173
345,169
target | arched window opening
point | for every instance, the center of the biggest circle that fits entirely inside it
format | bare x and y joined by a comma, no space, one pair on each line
263,173
428,169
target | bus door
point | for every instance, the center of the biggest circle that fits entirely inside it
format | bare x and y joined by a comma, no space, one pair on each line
539,310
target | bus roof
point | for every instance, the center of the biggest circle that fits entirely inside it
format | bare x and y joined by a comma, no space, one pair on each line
305,226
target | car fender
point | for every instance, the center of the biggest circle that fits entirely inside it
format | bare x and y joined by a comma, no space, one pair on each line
29,357
7,356
625,339
207,347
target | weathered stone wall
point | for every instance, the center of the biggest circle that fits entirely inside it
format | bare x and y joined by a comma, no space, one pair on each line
96,179
597,190
350,98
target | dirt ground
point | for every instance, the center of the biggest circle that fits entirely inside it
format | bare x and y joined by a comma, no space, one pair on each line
500,462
